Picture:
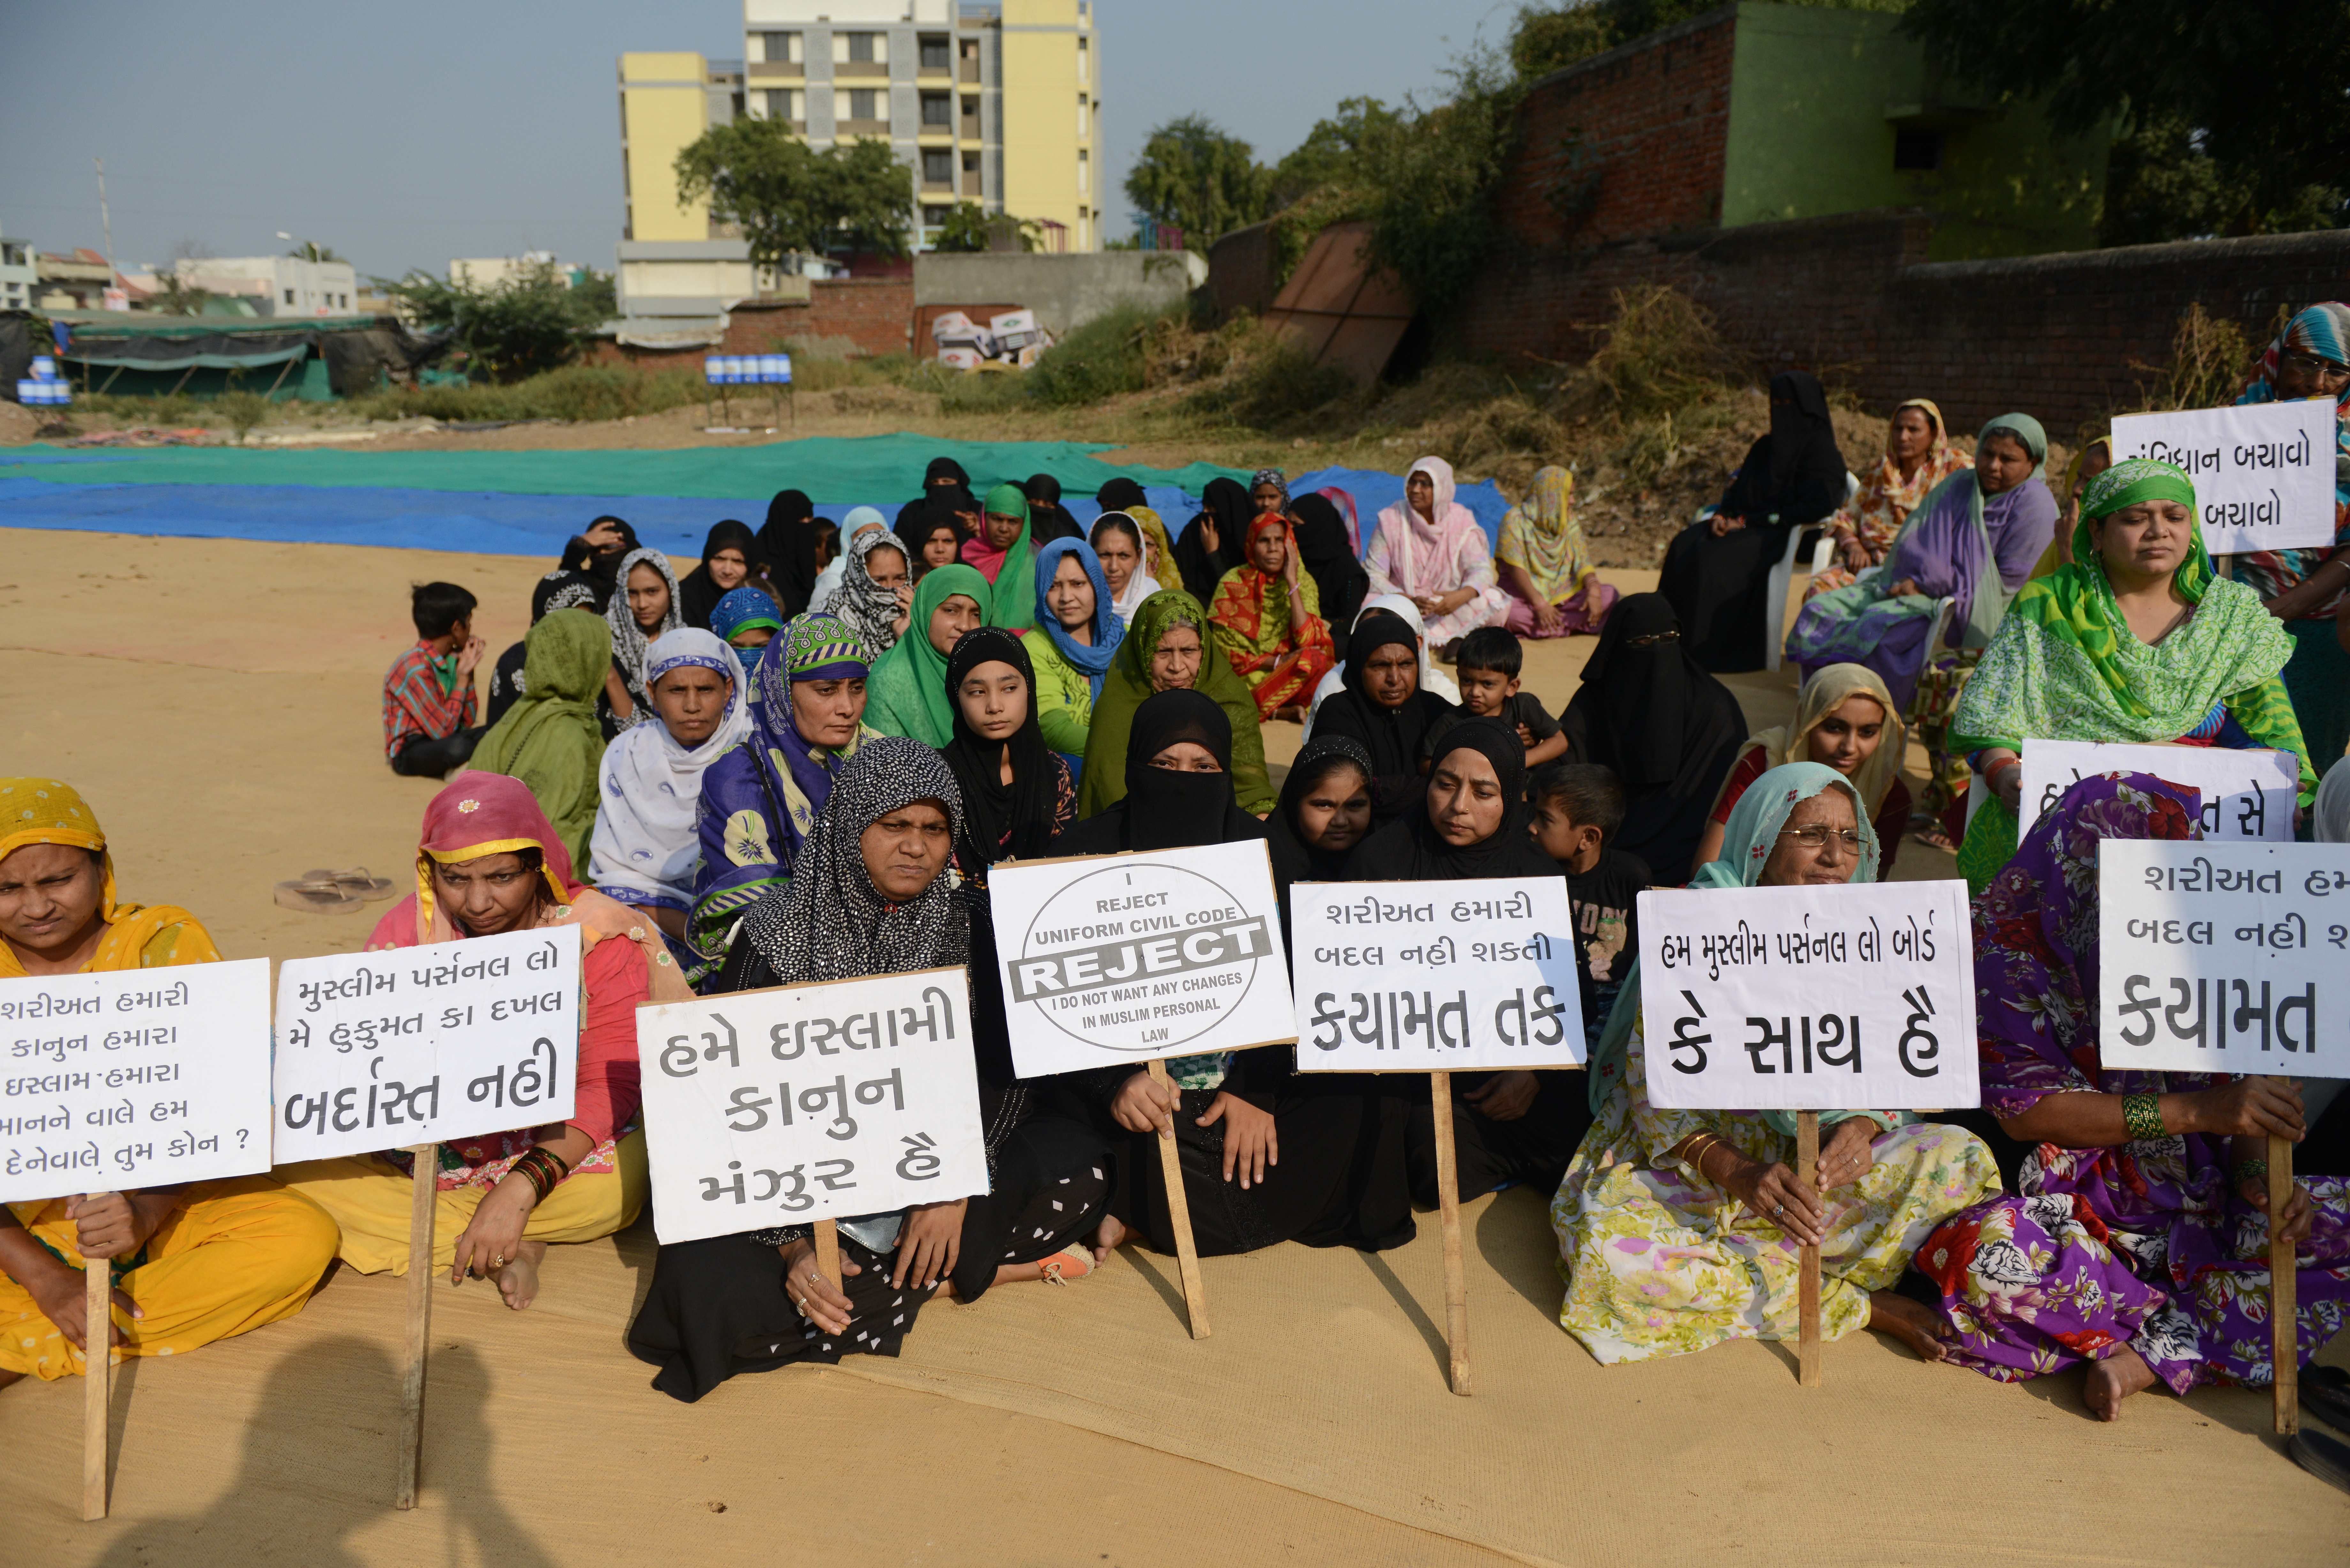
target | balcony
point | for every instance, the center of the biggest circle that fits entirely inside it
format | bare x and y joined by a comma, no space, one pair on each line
860,127
863,70
777,70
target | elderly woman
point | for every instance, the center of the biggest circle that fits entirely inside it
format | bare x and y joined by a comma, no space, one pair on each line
1845,720
1171,646
1268,620
1679,1229
1431,678
1077,635
1004,554
1555,591
550,738
1386,709
909,686
2134,641
192,1263
1432,549
2137,1238
488,863
647,605
872,896
1917,457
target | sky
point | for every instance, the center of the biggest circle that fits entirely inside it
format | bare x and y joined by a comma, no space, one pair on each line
402,136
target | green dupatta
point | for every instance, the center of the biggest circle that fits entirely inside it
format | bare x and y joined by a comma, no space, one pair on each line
550,739
1128,683
905,692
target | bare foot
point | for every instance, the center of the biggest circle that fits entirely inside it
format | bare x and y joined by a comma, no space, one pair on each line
518,1281
2115,1379
1107,1237
8,1378
1895,1315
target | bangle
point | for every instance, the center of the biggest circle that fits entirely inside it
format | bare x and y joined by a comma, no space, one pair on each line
2142,1117
544,1170
2251,1170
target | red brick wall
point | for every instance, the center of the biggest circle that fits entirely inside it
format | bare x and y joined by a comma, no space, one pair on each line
875,314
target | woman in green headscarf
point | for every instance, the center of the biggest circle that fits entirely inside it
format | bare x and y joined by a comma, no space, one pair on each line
1679,1229
906,692
2134,641
1005,555
1169,645
550,738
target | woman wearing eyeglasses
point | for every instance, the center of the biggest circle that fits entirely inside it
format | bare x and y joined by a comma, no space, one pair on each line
2303,588
1679,1229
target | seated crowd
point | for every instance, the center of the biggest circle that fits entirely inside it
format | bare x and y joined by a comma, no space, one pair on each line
800,762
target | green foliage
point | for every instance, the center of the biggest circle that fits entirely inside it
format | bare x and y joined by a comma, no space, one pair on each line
790,200
174,296
1193,176
529,323
575,392
312,251
596,297
1543,40
2210,360
243,411
1100,359
1333,154
1276,389
968,227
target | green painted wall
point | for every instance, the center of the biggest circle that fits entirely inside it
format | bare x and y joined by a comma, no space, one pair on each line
1811,93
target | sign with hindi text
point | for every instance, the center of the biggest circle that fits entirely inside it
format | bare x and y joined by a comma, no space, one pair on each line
142,1077
2246,795
2263,473
1852,997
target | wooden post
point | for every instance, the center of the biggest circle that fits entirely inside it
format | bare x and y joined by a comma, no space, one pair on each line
2284,1322
1808,1166
98,1379
1179,1216
827,1252
1447,1205
423,1201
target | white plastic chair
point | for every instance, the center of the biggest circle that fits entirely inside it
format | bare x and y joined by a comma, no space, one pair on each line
1774,594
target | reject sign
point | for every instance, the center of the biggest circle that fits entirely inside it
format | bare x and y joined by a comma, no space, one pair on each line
1830,998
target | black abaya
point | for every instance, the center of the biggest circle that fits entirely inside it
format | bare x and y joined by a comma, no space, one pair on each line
1392,735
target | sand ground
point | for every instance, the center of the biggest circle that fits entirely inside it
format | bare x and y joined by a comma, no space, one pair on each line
217,701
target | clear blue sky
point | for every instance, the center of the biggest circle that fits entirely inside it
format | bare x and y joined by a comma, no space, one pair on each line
404,135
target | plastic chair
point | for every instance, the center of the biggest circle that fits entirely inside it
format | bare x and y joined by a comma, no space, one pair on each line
1774,594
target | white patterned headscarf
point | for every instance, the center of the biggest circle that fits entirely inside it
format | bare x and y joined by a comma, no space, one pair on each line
629,640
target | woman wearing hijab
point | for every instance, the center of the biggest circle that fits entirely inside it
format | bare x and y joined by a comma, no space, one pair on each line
910,683
1171,646
1917,457
2304,589
609,541
1326,550
872,896
2096,456
1077,635
1004,556
2134,641
554,591
1717,571
788,544
1430,549
746,621
1048,519
942,477
932,533
1431,678
1265,1158
859,524
1678,1228
1648,711
1555,591
1119,544
1268,620
1124,495
1017,793
550,738
645,850
488,862
729,555
646,607
1209,544
877,593
1325,811
2129,1241
1384,708
1845,720
760,801
1268,491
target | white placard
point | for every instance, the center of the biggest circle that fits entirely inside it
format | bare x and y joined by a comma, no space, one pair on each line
1128,957
1436,976
1854,997
2223,958
814,1102
2263,473
2246,795
140,1077
426,1044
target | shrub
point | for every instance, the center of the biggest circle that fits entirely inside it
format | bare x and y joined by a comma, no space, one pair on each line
2210,359
575,392
1100,359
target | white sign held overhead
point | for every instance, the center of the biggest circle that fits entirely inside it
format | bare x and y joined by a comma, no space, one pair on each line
141,1077
2246,795
1114,958
426,1044
2224,958
2263,473
765,1108
1859,996
1435,976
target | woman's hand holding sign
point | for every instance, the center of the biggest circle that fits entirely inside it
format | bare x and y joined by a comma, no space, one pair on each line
1144,1105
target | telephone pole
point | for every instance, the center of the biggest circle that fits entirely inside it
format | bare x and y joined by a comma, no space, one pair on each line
106,222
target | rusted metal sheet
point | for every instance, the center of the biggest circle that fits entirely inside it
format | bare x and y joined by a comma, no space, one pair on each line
1340,309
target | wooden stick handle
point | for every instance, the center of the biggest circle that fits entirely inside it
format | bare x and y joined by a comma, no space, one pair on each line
1807,1168
98,1379
423,1203
1448,1206
2284,1321
1179,1219
828,1251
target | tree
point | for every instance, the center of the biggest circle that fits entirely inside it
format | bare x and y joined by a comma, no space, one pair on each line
792,201
1545,40
312,251
1334,154
967,227
175,296
531,321
1194,177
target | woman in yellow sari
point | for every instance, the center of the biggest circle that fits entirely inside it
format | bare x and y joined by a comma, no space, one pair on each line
192,1264
1554,588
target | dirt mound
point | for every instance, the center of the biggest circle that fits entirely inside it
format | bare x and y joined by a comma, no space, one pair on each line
17,423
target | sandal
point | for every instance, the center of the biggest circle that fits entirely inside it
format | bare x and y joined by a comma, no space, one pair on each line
356,882
315,896
1071,1262
1936,837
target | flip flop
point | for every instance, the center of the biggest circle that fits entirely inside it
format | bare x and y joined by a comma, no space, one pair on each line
2326,1394
356,882
315,897
2322,1456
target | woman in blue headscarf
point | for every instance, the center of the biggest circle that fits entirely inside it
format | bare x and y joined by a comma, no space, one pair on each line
746,620
1077,629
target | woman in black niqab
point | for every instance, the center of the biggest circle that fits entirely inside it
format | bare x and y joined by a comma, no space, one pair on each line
1324,550
1168,808
786,543
1048,519
1224,508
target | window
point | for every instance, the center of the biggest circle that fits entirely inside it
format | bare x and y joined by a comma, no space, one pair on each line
856,103
1919,150
938,112
866,48
938,167
936,57
933,216
778,48
1083,117
784,104
1084,172
289,297
1083,56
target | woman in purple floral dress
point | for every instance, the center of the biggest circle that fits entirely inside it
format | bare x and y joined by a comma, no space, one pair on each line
2127,1244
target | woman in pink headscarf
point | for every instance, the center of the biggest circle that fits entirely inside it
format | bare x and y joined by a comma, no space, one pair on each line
1430,549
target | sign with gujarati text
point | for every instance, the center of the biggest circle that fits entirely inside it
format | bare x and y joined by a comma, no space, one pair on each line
1435,976
426,1044
1128,957
1852,997
2246,795
2223,958
765,1108
141,1077
2263,473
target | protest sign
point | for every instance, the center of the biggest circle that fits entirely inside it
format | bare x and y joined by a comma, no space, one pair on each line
133,1078
2263,473
425,1044
1435,976
2246,795
765,1108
